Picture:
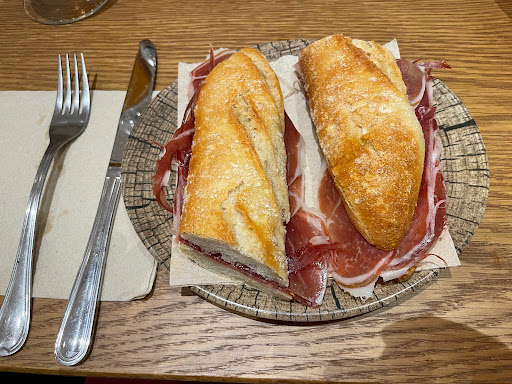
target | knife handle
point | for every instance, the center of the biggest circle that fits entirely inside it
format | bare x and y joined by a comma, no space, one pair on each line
75,334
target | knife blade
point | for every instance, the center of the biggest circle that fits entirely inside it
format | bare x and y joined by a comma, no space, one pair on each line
74,338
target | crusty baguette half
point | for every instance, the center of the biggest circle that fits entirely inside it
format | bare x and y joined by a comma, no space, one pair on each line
236,197
369,134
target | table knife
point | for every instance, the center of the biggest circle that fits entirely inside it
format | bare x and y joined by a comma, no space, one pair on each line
75,335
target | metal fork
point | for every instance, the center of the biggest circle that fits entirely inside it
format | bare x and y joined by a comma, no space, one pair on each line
70,117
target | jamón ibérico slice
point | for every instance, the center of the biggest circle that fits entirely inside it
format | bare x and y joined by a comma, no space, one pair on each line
429,217
435,64
416,75
177,150
355,263
306,232
198,74
414,79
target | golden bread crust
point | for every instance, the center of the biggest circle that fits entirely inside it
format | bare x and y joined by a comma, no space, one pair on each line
368,132
231,205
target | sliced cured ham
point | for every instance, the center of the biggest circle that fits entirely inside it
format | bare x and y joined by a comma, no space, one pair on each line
359,264
416,76
355,263
416,80
429,216
198,74
177,150
306,232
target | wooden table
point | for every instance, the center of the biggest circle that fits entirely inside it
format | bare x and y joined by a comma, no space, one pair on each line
456,329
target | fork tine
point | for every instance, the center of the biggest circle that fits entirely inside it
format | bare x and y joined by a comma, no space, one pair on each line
67,100
85,98
76,93
58,101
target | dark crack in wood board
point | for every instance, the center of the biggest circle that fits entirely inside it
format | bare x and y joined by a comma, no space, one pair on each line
465,169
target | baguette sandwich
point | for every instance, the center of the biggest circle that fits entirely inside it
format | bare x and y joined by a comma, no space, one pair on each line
369,134
235,203
382,157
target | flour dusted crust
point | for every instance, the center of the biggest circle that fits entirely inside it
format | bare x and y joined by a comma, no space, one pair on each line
368,132
236,197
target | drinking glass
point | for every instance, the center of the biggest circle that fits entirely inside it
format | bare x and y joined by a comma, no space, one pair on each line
61,11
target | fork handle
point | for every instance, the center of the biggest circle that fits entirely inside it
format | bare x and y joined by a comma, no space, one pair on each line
75,334
15,311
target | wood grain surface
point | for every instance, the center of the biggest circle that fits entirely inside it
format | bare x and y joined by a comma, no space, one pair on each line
457,329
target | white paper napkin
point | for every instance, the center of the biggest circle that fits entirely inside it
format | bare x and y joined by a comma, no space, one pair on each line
69,201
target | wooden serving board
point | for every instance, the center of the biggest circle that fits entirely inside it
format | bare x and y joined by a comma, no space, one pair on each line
465,169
